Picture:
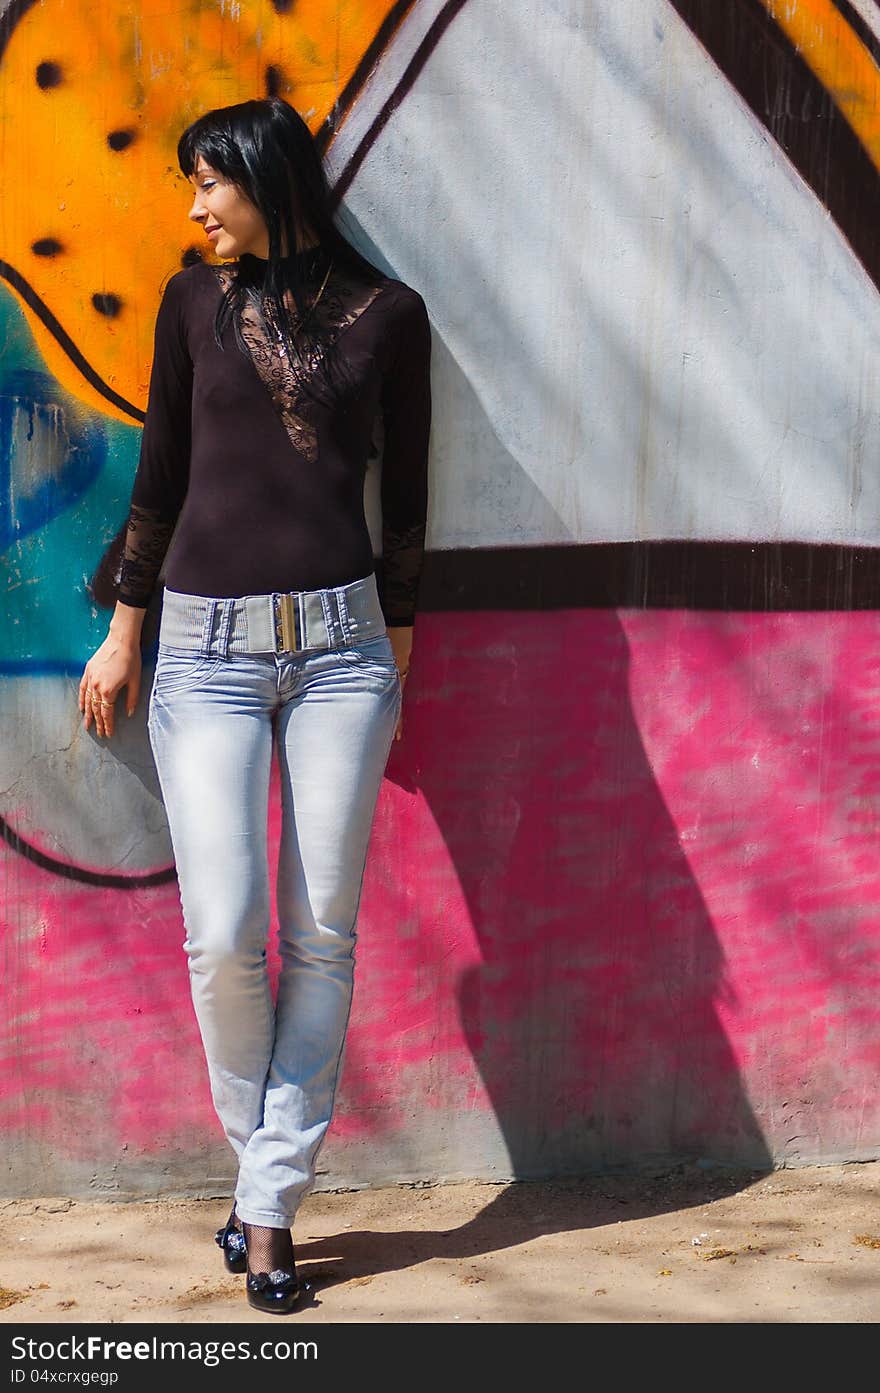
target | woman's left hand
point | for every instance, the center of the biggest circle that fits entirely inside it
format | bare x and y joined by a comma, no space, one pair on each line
401,642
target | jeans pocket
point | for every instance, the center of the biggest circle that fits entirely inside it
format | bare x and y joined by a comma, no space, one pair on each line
176,672
374,654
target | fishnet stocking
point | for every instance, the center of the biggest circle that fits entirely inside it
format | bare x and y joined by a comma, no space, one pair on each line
269,1250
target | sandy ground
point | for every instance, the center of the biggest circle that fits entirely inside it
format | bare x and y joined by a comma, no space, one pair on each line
690,1246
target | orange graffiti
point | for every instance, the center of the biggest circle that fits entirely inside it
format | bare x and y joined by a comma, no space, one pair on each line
840,61
92,102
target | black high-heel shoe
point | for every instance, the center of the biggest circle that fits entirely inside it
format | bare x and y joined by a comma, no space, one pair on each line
231,1240
278,1292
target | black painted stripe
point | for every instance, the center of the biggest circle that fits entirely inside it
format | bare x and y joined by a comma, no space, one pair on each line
435,32
757,577
368,61
66,343
799,113
68,871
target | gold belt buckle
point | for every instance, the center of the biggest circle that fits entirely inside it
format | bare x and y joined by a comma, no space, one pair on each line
286,623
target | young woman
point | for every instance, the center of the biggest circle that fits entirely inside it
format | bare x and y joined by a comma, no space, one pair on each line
270,369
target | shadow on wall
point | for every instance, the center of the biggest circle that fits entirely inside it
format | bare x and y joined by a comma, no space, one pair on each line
592,1017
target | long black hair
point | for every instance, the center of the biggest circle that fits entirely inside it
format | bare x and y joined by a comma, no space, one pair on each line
266,149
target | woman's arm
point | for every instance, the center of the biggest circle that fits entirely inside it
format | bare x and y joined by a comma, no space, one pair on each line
406,412
159,488
162,476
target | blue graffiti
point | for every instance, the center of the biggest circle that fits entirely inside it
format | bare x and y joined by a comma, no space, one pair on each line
65,481
50,452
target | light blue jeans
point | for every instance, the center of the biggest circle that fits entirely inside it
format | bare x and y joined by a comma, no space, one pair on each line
272,1065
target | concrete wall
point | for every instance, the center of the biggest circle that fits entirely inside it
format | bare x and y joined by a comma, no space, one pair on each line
621,906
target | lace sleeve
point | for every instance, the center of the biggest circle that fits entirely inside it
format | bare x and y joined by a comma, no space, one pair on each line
406,411
162,476
147,535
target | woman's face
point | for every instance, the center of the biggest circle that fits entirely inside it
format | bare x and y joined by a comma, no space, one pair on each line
218,204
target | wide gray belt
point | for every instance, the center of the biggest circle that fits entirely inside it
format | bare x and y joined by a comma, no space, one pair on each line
289,622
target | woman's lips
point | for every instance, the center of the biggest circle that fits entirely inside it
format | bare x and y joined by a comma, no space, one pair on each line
209,231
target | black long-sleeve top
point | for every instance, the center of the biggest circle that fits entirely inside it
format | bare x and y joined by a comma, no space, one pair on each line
264,485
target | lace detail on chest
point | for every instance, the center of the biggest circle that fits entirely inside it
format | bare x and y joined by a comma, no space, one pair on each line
344,300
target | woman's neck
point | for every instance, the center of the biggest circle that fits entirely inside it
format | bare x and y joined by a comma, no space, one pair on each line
306,261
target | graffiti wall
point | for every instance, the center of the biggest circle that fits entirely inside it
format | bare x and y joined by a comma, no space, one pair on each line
623,893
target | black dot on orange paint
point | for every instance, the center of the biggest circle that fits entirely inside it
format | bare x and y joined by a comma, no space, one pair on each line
191,257
110,305
283,7
120,140
274,79
48,75
46,246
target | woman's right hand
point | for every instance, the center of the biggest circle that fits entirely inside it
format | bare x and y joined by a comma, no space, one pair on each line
116,664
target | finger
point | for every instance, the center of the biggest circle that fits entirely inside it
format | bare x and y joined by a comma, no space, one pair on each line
98,710
106,713
132,694
399,731
83,688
